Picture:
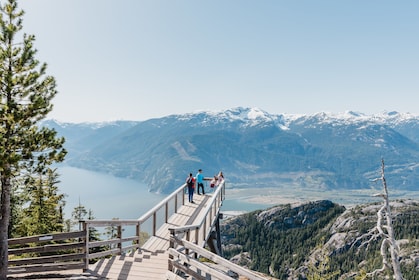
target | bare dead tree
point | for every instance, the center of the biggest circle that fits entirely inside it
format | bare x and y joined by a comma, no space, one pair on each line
389,249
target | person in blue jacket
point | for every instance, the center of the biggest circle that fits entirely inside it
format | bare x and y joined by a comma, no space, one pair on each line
200,181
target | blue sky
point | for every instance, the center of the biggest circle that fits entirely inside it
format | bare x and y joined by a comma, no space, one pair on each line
137,59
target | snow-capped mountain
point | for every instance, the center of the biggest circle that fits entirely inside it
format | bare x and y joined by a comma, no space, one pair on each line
252,147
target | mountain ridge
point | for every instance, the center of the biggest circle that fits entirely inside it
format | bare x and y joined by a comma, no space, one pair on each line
254,113
251,146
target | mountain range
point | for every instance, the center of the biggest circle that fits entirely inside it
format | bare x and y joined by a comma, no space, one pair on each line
252,147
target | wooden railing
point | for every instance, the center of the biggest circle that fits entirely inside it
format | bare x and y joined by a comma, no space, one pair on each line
169,205
42,253
50,252
214,266
116,245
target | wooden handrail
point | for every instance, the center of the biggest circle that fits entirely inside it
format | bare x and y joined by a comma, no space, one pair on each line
46,237
220,261
54,244
162,203
110,223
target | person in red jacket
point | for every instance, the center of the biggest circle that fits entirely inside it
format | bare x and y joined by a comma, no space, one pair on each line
190,182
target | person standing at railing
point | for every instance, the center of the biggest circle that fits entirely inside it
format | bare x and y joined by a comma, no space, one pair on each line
190,182
214,183
220,177
216,180
200,181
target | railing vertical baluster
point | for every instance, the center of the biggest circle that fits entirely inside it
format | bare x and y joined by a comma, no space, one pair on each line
154,223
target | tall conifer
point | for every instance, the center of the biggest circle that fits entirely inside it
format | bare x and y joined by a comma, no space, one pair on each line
25,99
43,204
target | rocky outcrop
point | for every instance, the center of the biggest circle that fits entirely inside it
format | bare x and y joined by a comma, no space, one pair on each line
294,215
320,232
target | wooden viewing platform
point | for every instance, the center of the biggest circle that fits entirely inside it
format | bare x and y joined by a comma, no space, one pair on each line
181,232
151,260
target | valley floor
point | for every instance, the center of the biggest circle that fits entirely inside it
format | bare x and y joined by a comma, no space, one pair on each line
283,195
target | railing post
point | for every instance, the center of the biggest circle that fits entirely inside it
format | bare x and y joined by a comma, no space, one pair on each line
204,234
218,232
196,235
86,246
171,245
119,236
176,198
138,234
215,208
167,212
183,196
196,241
188,238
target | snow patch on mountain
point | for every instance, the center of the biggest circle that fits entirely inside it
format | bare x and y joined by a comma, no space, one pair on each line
391,119
255,116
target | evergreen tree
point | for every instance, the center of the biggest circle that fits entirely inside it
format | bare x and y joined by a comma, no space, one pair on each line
111,232
320,268
25,99
94,234
44,211
16,208
79,213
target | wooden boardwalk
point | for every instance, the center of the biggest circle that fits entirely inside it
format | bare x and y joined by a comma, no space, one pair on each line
151,261
174,251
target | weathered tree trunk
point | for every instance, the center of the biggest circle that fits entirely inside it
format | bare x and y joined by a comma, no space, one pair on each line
4,225
386,231
393,247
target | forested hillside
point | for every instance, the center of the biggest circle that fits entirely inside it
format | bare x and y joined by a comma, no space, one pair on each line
289,241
